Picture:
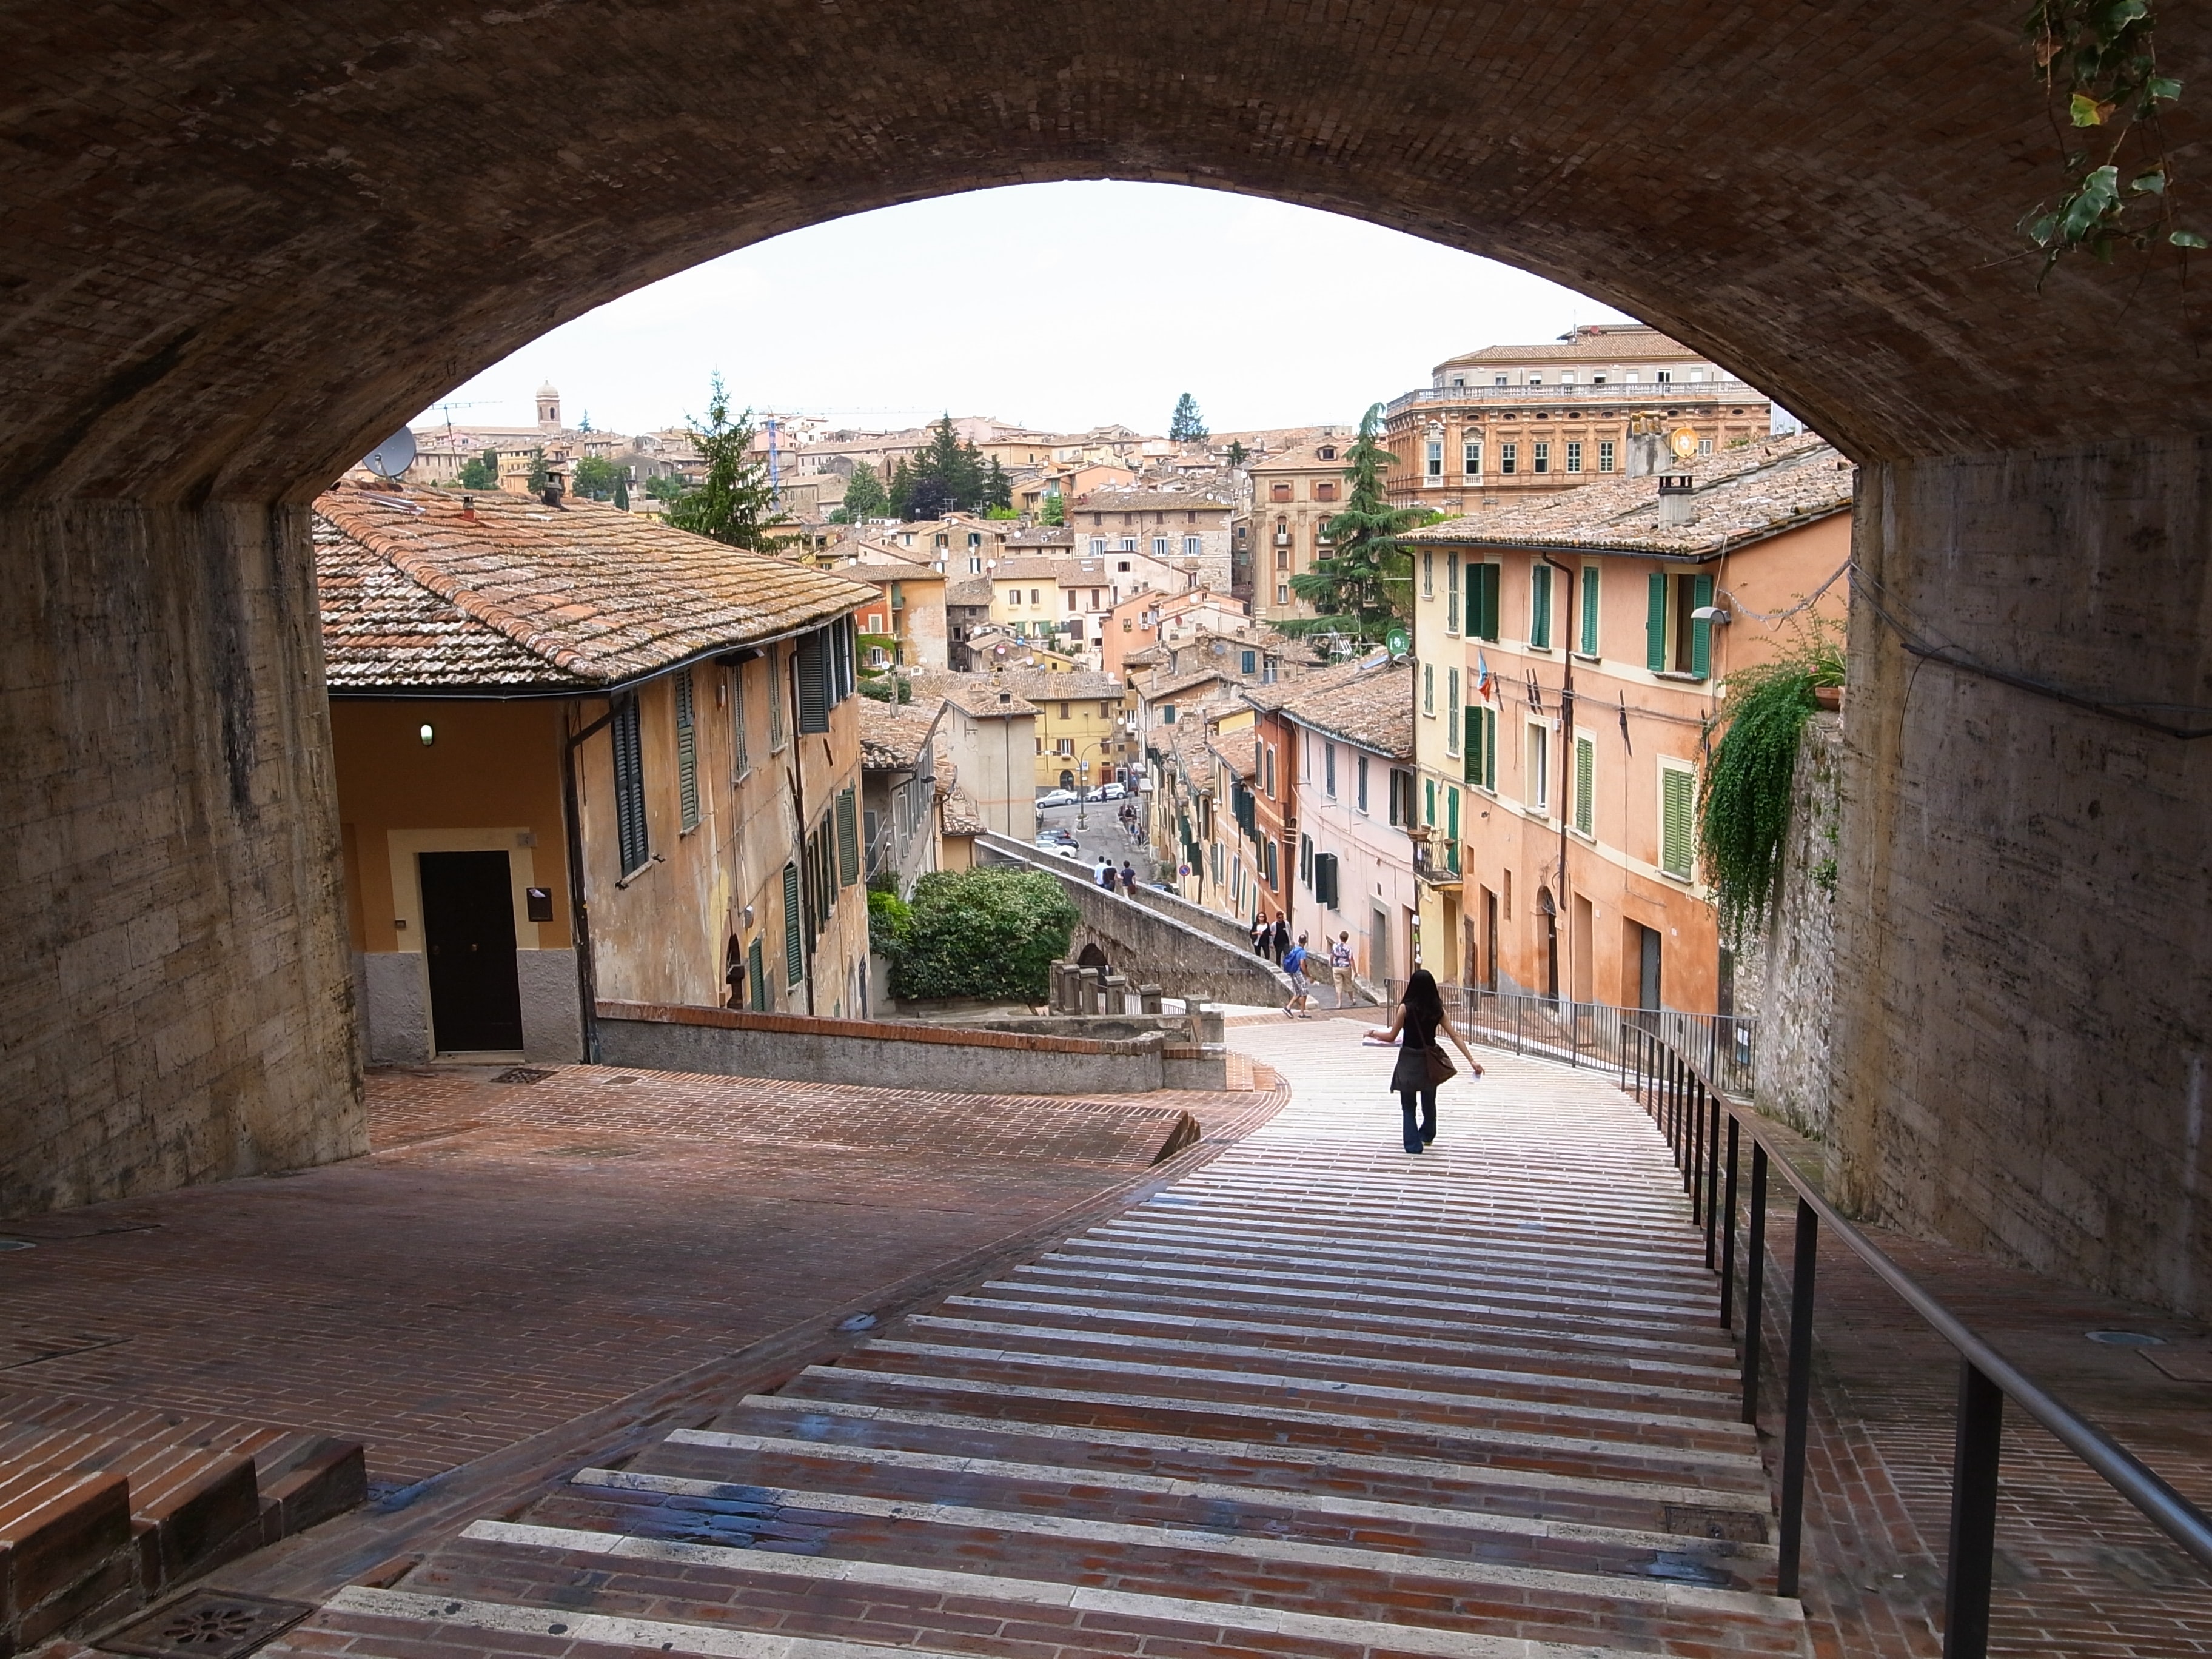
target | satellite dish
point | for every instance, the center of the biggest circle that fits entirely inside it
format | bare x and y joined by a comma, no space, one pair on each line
392,457
1683,441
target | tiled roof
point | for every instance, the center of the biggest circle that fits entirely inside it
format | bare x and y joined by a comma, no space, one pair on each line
1612,345
1372,707
1133,498
1307,458
1041,535
1032,570
1276,693
1039,685
524,596
1181,684
1741,494
1239,748
977,693
961,815
892,738
969,590
874,565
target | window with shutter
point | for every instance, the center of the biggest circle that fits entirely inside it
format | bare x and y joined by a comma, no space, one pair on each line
1590,610
687,753
1451,813
1678,801
1451,701
1451,595
814,682
773,681
794,922
1701,632
740,760
755,977
1472,720
1539,607
849,843
1429,802
1536,787
1585,784
1654,625
1483,622
1325,878
1305,859
631,840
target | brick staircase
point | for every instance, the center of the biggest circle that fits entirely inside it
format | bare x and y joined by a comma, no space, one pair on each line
1319,1398
105,1507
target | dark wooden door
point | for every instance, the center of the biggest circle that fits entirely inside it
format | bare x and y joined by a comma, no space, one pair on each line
1647,975
468,929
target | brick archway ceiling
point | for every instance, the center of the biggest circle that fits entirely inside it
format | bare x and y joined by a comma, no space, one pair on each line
243,241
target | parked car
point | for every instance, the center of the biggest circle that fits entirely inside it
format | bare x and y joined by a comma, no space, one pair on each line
1056,837
1070,851
1056,798
1108,792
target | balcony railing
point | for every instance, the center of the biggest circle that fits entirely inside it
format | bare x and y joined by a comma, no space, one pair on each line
1641,395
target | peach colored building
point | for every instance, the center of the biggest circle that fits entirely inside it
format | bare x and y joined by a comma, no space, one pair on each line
1498,425
1565,681
1294,496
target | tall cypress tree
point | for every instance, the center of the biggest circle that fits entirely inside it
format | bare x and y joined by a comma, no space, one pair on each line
864,495
1184,426
733,504
1366,582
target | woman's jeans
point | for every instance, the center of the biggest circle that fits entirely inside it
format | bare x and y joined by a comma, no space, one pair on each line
1421,1131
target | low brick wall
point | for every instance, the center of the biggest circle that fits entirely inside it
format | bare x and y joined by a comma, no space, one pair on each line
795,1048
1147,938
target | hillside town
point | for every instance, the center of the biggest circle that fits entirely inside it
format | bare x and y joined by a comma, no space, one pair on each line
1109,649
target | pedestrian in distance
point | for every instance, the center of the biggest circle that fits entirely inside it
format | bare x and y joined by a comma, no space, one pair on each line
1263,934
1340,969
1295,961
1422,1064
1103,875
1279,939
1129,878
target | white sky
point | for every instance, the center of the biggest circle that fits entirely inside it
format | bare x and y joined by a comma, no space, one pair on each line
1060,307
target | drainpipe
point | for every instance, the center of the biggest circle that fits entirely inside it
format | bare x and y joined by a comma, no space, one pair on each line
797,774
579,913
1566,751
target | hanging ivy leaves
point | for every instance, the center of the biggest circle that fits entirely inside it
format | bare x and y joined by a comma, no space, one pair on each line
2099,61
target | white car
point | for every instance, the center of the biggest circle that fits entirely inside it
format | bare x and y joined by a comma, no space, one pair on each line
1075,853
1108,792
1057,798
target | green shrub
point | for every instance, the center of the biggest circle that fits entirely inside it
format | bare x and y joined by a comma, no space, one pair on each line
993,932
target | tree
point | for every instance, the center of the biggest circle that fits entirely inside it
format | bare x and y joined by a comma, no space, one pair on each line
481,473
997,488
622,491
1237,452
1185,427
1054,508
993,932
865,497
667,487
733,503
944,475
1365,584
539,475
597,478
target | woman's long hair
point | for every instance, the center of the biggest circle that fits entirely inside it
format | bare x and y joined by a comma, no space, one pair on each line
1422,998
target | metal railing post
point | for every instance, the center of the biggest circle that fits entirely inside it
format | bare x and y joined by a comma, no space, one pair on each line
1712,1127
1754,1281
1693,1133
1798,1410
1728,1245
1974,1515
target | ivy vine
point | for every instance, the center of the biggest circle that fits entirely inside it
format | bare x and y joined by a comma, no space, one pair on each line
1743,805
2098,60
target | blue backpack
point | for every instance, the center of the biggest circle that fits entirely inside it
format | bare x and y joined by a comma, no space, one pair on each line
1295,963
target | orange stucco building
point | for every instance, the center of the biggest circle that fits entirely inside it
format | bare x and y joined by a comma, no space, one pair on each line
1571,659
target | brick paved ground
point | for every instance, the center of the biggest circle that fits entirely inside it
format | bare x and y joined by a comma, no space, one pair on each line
511,1256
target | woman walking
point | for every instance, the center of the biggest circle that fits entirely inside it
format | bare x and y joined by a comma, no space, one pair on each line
1421,1061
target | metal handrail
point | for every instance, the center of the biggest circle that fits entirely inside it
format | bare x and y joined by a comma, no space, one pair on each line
1696,1117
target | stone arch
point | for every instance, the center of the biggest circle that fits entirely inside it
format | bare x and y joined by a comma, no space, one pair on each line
238,255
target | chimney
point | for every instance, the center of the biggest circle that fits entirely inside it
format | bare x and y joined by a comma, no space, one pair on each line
469,507
1675,506
1647,450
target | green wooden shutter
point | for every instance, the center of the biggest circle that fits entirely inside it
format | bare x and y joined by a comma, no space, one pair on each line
756,976
1451,813
1654,625
1482,600
848,842
794,948
1679,801
1585,785
1451,596
687,752
1429,802
1590,610
632,842
1473,744
1701,633
1540,605
815,668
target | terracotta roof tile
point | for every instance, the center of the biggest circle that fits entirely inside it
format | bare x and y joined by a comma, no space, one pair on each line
1239,749
1741,496
977,693
1372,707
589,595
892,738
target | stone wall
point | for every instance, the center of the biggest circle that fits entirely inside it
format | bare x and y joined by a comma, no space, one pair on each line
1148,944
175,978
2024,953
728,1043
1794,961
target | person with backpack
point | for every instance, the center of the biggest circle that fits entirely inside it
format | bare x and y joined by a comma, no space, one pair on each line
1340,969
1294,964
1422,1066
1129,879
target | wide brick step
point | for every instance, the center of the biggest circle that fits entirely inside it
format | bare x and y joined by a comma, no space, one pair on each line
1315,1400
193,1493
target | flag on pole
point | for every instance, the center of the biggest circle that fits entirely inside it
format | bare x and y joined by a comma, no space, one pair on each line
1485,683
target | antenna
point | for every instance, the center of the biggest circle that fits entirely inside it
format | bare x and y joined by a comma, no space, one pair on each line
392,457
